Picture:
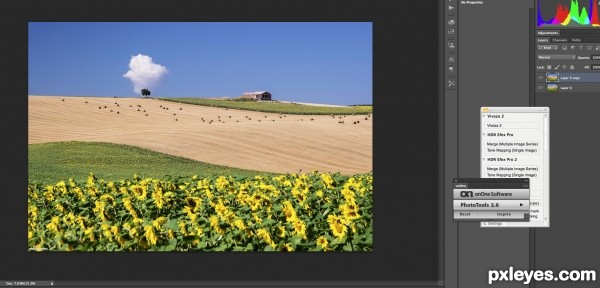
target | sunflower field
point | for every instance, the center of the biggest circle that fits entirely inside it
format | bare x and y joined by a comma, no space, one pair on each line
291,212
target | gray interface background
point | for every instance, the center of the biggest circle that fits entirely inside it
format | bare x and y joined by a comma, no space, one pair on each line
494,69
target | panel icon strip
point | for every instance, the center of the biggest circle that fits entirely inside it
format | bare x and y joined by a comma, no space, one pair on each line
451,44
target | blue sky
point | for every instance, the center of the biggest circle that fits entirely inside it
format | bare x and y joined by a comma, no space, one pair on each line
304,62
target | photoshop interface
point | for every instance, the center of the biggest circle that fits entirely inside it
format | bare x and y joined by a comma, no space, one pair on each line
484,143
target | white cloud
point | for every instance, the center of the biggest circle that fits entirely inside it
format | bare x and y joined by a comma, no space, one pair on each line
144,73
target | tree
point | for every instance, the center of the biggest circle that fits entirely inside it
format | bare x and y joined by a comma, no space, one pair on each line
145,92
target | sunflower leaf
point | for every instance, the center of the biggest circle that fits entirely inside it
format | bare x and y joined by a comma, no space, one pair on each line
348,247
296,239
268,222
172,224
222,247
172,245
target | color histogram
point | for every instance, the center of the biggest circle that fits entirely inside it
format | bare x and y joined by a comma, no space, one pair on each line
572,14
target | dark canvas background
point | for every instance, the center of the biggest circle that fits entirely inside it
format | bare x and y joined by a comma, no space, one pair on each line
405,85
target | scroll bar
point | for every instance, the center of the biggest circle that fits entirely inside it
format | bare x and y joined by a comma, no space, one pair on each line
546,140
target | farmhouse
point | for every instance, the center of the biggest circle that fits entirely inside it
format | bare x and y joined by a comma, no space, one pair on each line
257,95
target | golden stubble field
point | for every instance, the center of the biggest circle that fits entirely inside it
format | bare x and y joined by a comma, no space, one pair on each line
242,139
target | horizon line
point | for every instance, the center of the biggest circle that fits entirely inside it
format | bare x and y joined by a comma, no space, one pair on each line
203,97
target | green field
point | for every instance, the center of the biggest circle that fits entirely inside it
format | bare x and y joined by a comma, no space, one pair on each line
53,162
274,107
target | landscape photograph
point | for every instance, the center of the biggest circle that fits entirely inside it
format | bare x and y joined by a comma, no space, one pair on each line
200,137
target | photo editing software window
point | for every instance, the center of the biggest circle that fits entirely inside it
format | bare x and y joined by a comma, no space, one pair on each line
301,143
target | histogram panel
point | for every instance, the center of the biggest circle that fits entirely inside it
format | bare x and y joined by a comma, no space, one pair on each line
568,13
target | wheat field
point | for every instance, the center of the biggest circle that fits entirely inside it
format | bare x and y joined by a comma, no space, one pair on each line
236,138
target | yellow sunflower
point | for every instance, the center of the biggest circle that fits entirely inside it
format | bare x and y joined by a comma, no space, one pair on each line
182,228
337,225
221,183
150,235
60,208
159,222
287,248
157,196
327,180
266,236
350,211
239,223
214,223
322,241
282,232
319,193
300,228
289,211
